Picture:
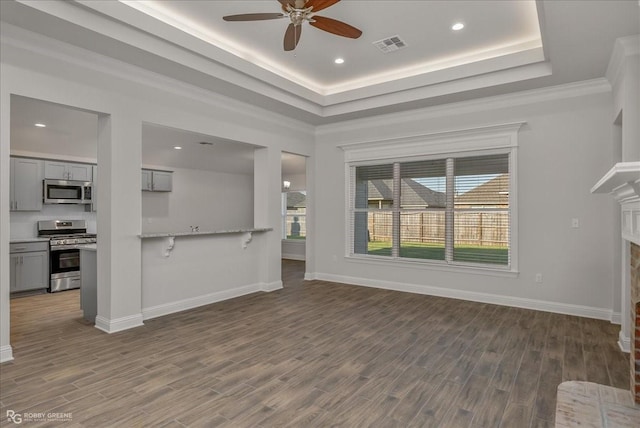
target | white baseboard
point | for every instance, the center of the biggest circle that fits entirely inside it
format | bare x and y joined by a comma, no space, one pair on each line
6,353
616,318
624,342
272,286
207,299
518,302
291,256
310,276
118,324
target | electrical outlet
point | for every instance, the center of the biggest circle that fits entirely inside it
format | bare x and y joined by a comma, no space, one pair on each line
575,223
539,278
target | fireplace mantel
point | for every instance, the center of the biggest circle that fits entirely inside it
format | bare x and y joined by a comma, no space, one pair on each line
623,182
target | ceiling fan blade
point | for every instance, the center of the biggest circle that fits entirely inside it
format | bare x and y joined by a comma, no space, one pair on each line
336,27
253,17
284,4
292,37
320,4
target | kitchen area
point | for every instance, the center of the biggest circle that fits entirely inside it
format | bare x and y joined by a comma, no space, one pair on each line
188,181
53,174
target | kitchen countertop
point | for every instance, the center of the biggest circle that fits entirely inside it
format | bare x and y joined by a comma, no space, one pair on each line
88,247
203,232
23,240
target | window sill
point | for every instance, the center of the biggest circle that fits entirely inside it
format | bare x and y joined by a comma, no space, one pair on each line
434,265
295,241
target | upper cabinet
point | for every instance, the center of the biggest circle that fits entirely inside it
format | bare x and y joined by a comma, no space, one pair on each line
56,170
25,184
146,182
156,181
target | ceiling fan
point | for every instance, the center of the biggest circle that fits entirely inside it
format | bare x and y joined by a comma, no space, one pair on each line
299,11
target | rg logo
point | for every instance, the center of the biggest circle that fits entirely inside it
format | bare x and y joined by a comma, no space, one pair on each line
14,417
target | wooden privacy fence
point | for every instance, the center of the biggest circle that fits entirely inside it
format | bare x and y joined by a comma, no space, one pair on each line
487,229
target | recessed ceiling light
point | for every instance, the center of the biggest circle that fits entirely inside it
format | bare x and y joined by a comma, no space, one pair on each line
177,147
457,26
40,125
339,61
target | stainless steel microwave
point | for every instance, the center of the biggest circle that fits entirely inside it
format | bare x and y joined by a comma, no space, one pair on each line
67,192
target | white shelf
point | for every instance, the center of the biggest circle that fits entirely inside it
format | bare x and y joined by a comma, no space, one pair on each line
621,174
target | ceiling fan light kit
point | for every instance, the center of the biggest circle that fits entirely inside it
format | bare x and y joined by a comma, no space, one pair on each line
299,11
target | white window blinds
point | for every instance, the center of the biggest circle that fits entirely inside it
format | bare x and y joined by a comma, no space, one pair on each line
453,210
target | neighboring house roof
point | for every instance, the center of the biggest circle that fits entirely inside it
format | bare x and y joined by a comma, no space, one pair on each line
494,192
413,193
296,200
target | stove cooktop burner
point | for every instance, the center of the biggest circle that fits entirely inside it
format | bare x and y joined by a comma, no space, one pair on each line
65,232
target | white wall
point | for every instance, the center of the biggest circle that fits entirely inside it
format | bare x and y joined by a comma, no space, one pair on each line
298,181
294,249
564,149
199,270
210,200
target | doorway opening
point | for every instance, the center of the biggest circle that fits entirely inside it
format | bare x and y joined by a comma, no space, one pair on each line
53,150
293,217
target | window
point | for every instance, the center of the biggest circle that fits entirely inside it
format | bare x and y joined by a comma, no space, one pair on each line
294,210
453,209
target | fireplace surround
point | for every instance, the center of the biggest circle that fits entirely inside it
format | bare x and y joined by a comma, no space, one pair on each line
623,182
634,276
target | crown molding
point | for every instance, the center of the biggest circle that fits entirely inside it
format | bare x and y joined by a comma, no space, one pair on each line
623,49
40,45
458,140
533,96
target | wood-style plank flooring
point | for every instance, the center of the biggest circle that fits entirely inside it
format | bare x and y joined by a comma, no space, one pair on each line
314,354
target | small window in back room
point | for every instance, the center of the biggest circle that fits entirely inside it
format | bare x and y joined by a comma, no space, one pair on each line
294,214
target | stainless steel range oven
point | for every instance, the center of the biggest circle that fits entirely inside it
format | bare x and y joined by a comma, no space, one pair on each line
64,256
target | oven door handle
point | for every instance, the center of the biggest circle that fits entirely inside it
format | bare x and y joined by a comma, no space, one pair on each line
66,247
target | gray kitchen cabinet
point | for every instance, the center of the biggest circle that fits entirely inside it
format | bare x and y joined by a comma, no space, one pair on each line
57,170
162,181
89,280
25,184
146,182
29,266
156,181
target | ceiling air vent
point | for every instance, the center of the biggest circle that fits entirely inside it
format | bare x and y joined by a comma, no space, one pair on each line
390,44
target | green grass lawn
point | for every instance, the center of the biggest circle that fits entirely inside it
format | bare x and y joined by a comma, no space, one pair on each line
464,253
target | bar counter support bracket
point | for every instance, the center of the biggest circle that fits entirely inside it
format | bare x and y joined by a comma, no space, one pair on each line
246,238
170,242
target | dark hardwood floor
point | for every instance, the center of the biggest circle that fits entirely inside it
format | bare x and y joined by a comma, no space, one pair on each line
314,354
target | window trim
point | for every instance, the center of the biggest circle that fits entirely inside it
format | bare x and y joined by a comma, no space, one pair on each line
495,139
